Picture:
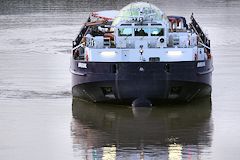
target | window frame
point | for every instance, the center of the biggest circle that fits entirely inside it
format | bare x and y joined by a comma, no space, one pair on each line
144,27
157,35
123,35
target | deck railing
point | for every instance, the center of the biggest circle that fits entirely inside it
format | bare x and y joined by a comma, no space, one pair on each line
204,41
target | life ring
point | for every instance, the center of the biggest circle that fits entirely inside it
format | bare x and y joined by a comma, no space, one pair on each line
161,40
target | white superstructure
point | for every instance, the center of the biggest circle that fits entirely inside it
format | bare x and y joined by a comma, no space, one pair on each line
140,32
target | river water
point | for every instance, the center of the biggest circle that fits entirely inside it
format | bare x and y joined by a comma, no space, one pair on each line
39,119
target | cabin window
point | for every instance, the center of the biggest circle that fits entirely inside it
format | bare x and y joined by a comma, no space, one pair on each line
125,32
141,31
157,31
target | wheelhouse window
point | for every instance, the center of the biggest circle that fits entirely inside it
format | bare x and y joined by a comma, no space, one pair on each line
125,32
157,31
141,31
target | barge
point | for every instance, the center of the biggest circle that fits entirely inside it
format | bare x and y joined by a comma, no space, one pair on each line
140,56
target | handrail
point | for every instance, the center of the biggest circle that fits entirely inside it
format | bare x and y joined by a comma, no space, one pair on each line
82,33
198,29
77,46
202,37
204,45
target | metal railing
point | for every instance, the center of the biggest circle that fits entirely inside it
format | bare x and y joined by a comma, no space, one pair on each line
204,41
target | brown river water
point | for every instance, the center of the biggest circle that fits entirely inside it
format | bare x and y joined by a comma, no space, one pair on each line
39,120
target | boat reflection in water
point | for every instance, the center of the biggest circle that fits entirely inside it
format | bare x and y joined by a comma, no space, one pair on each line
100,131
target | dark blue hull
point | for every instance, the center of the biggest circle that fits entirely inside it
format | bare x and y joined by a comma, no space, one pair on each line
123,82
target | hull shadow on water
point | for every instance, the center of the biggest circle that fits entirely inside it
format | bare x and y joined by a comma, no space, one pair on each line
163,132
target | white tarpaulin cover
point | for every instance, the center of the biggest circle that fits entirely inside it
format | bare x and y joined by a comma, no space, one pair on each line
109,14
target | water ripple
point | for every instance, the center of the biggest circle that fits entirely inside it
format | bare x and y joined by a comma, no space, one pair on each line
27,94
